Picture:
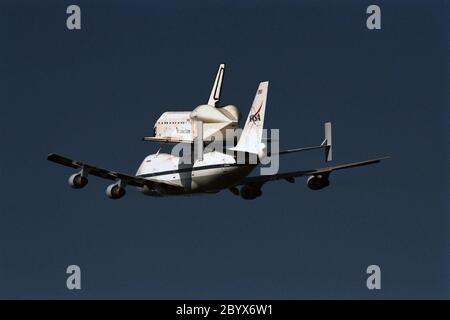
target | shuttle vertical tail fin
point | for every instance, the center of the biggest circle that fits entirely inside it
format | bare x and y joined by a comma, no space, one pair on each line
214,98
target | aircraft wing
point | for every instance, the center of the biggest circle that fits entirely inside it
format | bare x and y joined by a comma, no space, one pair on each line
99,172
290,176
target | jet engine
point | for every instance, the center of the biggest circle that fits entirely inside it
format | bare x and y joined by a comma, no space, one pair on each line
77,181
115,191
250,193
318,182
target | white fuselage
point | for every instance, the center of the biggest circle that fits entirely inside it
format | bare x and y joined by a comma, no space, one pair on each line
216,171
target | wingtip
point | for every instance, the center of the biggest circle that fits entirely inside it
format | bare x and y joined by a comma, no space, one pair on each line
378,160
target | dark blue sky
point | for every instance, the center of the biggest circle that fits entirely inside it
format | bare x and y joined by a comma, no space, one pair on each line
92,95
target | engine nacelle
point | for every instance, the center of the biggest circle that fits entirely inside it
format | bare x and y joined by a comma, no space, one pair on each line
250,193
318,182
114,191
77,181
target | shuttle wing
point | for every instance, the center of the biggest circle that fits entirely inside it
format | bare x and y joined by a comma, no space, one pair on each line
99,172
167,140
290,176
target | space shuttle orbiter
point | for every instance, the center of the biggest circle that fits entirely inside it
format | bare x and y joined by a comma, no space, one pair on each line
204,122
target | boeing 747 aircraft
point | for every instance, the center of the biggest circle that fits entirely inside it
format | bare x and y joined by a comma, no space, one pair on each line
164,174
